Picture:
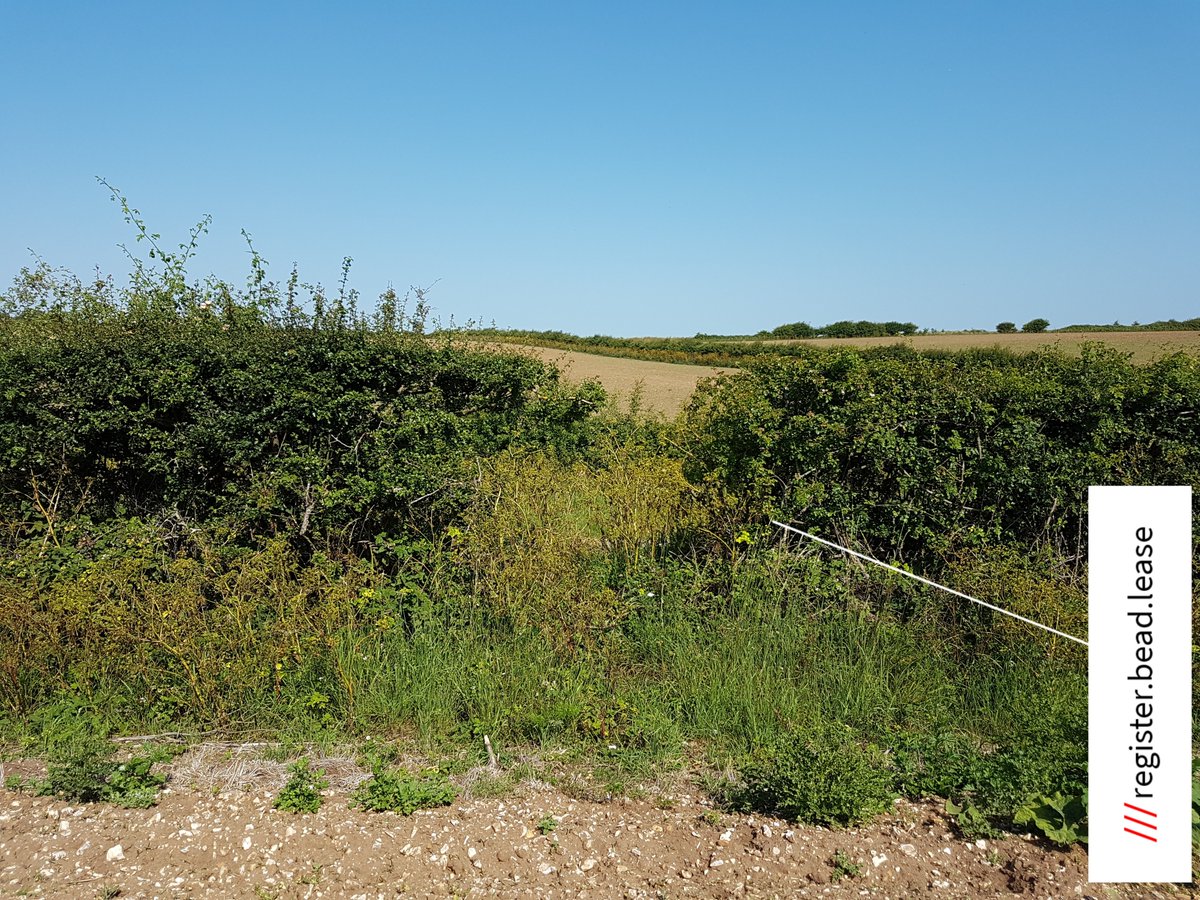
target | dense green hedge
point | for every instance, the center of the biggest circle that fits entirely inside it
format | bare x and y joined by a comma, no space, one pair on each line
921,454
845,328
699,350
1168,325
331,431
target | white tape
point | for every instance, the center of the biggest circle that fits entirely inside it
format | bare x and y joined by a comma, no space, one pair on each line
940,587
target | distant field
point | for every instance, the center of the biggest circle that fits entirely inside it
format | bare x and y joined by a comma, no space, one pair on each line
1144,345
665,387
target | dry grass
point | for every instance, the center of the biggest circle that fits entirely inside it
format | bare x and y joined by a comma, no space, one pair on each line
220,766
1145,346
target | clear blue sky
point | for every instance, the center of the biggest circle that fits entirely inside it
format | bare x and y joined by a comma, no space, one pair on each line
630,168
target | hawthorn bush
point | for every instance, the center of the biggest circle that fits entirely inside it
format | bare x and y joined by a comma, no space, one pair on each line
922,455
318,427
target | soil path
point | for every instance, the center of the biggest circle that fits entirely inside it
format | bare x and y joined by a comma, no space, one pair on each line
209,842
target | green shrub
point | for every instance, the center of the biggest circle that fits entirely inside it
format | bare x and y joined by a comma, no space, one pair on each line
823,776
80,764
401,791
202,401
87,773
79,773
921,456
302,793
132,785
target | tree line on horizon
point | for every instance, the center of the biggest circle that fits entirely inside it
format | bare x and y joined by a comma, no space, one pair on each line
866,328
845,328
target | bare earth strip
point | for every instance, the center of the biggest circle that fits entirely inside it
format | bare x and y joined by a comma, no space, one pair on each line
1144,345
230,842
664,387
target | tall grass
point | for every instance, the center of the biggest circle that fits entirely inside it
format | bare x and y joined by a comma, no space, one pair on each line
564,596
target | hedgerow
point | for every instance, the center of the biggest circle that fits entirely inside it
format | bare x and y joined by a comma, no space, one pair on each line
328,432
926,455
259,508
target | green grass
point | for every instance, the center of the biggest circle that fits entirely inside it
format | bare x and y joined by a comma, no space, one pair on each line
729,660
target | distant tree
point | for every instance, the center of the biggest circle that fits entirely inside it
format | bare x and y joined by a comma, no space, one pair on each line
1035,326
844,328
794,330
1006,327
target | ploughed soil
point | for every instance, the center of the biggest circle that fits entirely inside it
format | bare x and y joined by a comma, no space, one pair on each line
215,833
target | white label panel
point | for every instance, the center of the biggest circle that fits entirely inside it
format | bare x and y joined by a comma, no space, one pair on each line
1139,684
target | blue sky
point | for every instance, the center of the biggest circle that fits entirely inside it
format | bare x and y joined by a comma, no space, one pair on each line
630,168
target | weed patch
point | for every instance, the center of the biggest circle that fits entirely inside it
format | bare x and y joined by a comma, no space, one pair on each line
844,866
402,792
1061,819
302,793
823,776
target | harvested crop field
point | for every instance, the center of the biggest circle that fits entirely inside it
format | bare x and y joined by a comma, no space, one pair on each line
666,386
1144,345
227,840
663,387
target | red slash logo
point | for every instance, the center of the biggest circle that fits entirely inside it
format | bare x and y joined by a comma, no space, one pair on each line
1144,812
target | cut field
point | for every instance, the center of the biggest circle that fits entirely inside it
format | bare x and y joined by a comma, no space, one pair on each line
662,387
1145,346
